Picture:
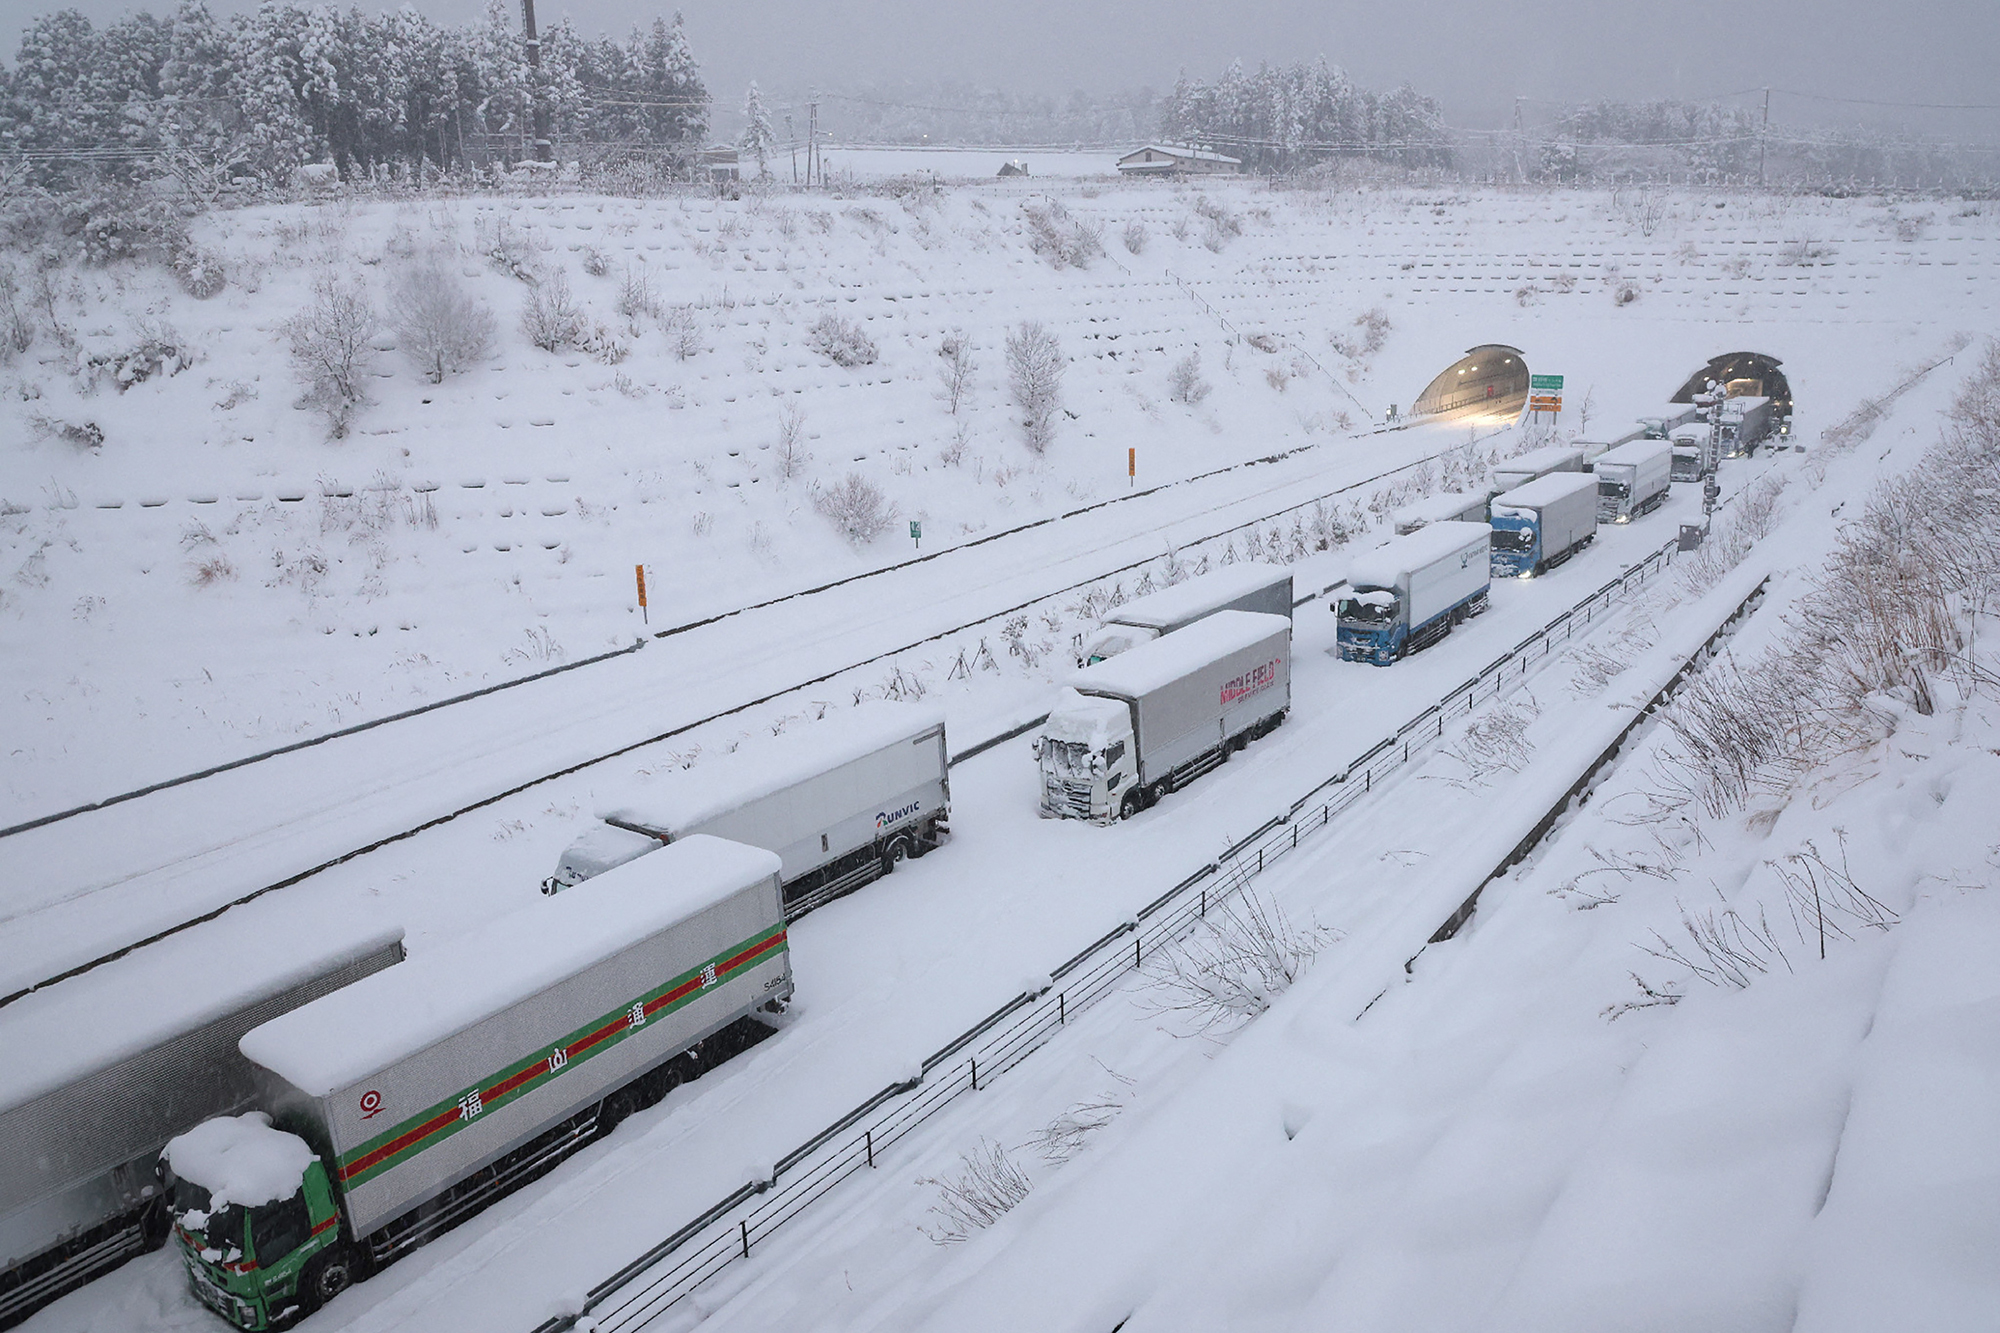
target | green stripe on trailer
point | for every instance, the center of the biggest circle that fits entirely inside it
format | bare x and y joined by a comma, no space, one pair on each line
401,1143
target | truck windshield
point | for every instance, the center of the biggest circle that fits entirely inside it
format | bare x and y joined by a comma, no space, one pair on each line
1513,539
1067,759
194,1212
1615,490
1367,612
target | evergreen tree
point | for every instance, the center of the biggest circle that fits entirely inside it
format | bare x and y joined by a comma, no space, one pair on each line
758,139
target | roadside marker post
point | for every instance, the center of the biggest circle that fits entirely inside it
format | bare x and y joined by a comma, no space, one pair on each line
1132,467
639,571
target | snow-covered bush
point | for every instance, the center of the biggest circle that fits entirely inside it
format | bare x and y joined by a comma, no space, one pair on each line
841,341
594,262
330,348
1135,236
1184,381
1624,292
1035,367
1063,240
682,328
1242,956
1370,336
83,434
439,325
505,246
985,1189
158,352
17,324
636,298
856,506
1218,223
202,274
956,372
550,316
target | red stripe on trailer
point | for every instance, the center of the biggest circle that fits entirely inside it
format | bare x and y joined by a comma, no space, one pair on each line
400,1142
507,1085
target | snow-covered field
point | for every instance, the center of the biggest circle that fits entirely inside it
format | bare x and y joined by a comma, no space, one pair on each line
1484,1122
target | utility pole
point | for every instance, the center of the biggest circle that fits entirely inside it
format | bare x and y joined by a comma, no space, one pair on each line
812,143
792,138
1762,133
1520,141
539,113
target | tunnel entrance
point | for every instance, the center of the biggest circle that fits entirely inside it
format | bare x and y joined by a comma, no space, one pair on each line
1489,382
1742,375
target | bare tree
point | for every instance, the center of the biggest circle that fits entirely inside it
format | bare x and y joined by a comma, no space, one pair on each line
1035,367
330,348
1184,381
440,326
956,372
550,316
790,456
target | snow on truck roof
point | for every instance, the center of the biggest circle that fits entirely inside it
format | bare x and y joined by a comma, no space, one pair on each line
1639,451
240,1159
686,798
1190,596
1166,659
1547,456
1084,719
1396,558
88,1023
1546,490
388,1017
1439,507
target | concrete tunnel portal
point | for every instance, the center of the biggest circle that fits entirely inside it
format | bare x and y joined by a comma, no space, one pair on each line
1739,375
1490,382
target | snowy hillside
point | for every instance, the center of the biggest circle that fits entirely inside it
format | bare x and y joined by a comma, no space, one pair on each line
218,576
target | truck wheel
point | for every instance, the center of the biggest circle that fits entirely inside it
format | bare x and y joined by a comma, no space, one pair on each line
897,850
614,1110
1131,805
330,1273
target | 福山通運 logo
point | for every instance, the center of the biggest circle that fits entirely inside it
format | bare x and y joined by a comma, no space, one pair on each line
371,1104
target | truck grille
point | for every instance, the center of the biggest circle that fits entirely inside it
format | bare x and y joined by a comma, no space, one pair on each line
1076,798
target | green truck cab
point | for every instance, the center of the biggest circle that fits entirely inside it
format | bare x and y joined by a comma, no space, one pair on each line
259,1265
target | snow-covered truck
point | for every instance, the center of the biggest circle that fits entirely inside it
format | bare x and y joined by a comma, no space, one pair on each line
401,1105
1524,468
1407,593
1444,507
1247,586
1126,731
840,802
1538,526
104,1067
1633,479
1688,451
1746,423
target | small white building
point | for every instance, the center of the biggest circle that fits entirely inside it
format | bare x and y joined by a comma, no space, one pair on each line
1167,160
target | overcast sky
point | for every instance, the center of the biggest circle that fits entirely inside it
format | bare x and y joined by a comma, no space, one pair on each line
1474,55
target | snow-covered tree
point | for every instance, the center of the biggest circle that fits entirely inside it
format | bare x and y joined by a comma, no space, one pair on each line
758,139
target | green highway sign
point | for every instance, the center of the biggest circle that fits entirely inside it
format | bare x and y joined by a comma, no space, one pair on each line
1545,384
916,530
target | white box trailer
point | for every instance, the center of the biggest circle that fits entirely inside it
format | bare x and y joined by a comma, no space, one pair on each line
105,1067
1661,425
1444,507
1245,586
1747,422
1542,524
1407,593
1524,468
840,801
1126,731
1633,480
426,1091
